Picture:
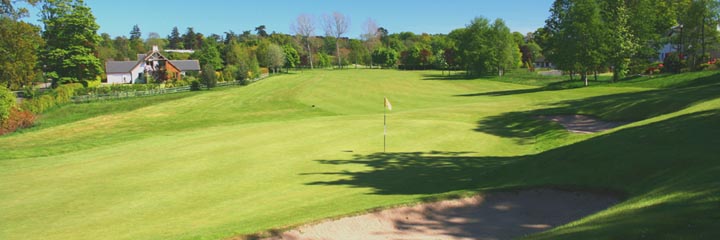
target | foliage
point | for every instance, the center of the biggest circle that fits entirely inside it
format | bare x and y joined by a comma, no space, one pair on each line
7,102
209,55
292,57
385,57
672,63
19,43
208,76
229,73
72,40
17,119
324,60
59,96
174,39
275,57
195,85
576,36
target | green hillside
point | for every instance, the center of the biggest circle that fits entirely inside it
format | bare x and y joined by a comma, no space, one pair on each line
305,146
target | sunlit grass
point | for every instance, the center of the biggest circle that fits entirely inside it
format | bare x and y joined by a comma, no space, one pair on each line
305,146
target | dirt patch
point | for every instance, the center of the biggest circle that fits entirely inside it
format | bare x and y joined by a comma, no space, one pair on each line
582,123
504,215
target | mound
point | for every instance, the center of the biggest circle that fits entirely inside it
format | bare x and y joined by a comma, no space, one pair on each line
503,215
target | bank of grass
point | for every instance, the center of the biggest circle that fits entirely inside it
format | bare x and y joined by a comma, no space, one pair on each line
307,146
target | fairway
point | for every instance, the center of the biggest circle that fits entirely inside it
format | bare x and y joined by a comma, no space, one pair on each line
306,146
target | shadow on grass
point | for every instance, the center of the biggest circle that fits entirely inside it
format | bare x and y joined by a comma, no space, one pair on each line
524,127
674,157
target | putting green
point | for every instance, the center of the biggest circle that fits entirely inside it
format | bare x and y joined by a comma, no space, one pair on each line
237,161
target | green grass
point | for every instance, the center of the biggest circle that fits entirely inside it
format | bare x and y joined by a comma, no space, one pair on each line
238,161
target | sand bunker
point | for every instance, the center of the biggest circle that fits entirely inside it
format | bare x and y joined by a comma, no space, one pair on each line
503,215
582,123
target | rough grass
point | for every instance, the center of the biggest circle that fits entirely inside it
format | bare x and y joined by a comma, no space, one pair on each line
238,161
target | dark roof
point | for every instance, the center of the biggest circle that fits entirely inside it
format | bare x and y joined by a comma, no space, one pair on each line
119,66
186,65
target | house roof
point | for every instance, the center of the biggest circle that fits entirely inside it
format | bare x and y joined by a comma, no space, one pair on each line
128,66
186,65
119,66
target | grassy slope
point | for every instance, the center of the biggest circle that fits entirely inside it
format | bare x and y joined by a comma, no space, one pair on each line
242,160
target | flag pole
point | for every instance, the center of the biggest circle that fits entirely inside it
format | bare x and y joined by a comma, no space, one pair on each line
384,125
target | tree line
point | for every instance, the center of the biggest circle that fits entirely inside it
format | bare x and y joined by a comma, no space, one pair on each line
580,36
624,36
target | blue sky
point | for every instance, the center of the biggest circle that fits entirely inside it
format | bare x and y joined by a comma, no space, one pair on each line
218,16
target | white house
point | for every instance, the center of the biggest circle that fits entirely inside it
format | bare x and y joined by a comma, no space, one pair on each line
151,64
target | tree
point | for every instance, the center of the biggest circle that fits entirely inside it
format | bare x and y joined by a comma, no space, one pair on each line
576,33
700,21
106,50
19,43
370,36
336,26
7,9
190,39
154,39
208,54
305,28
292,58
260,30
619,44
504,51
122,48
136,43
71,37
275,57
387,57
473,46
174,39
208,75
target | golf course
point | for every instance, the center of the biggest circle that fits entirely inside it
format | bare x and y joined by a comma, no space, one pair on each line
305,146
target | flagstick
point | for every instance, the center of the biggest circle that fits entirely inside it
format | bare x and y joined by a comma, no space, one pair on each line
385,126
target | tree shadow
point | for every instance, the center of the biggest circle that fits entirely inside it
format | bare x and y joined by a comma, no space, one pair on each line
666,158
524,126
449,76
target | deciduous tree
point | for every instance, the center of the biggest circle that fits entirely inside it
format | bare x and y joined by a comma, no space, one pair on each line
71,37
336,26
305,28
19,43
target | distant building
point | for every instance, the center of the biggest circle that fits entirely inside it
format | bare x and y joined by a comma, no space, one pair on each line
542,62
153,65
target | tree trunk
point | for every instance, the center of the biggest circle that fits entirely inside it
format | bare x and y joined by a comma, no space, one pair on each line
583,77
337,51
596,76
310,59
571,75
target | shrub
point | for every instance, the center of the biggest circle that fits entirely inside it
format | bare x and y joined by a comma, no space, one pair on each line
7,102
673,63
209,76
64,93
39,104
195,85
18,119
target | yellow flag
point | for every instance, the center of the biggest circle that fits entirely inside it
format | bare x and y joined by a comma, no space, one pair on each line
387,104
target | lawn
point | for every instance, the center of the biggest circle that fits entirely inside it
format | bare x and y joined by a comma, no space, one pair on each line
305,146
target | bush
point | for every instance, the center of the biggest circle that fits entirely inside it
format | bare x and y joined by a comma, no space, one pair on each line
673,63
38,104
195,85
64,93
7,102
209,76
18,119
